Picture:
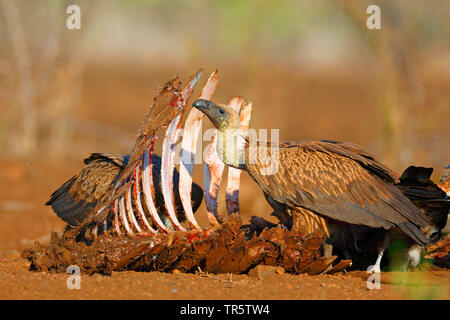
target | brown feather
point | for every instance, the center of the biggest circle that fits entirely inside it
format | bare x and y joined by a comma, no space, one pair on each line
339,181
415,183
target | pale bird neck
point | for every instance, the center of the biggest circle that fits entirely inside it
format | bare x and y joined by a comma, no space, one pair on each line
231,147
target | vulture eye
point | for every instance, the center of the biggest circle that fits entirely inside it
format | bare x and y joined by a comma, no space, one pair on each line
221,111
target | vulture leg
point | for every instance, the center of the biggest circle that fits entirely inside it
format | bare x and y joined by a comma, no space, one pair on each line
168,153
377,266
381,250
414,255
191,135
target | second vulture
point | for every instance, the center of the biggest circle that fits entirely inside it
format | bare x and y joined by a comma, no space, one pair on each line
74,200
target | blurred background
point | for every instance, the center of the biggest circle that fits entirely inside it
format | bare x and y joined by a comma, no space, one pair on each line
312,69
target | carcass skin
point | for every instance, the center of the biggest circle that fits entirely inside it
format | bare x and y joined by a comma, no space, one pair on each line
74,200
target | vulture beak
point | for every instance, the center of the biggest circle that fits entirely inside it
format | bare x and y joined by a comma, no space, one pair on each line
222,116
202,104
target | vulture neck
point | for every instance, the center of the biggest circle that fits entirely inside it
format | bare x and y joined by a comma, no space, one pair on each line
231,147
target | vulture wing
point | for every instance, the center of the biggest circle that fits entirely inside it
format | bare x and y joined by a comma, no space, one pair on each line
342,182
415,183
73,201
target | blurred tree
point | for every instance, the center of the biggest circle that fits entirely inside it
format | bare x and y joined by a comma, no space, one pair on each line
399,47
26,138
47,74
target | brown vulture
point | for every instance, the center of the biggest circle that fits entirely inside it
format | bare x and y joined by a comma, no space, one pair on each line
325,184
73,201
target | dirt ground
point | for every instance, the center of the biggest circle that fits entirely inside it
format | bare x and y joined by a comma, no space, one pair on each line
18,283
26,184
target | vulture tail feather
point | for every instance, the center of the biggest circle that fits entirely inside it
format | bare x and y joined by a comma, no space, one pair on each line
71,211
411,230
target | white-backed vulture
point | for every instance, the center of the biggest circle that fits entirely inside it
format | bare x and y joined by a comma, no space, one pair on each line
324,183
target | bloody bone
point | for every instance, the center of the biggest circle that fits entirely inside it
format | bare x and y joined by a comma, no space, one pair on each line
133,205
137,201
192,130
120,210
167,167
148,190
168,153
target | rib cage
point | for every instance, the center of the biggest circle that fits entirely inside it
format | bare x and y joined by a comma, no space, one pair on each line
131,208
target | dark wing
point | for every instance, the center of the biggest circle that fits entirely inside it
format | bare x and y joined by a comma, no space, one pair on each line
118,159
415,183
342,182
74,200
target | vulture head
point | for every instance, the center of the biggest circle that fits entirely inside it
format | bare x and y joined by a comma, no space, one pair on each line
231,140
222,117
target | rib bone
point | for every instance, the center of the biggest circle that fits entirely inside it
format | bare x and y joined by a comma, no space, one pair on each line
137,201
192,130
147,186
212,177
123,215
130,212
168,153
